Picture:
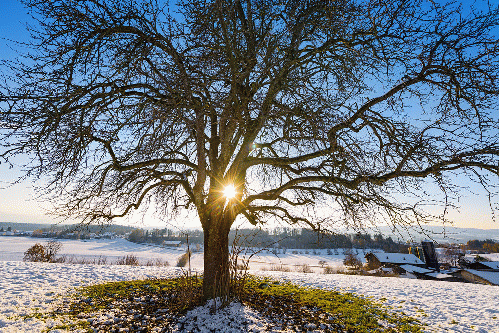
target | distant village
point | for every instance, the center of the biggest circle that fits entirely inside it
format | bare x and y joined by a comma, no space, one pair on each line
383,256
452,263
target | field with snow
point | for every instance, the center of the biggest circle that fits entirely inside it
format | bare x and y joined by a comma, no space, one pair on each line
26,287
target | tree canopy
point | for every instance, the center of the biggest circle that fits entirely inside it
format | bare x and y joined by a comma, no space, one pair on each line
351,104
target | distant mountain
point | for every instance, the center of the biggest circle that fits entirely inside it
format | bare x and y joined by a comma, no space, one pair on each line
440,234
37,226
25,226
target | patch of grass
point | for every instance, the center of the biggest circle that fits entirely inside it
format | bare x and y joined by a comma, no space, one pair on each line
146,305
139,305
36,315
78,325
339,311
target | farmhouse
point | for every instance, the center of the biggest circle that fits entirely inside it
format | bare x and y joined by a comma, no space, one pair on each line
394,261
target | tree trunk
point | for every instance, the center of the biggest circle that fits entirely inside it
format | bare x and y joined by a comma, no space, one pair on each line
216,262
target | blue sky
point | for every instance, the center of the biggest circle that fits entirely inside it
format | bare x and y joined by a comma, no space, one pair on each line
18,202
12,25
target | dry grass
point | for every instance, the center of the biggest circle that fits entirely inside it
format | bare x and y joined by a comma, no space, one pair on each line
129,259
277,268
157,262
183,260
303,268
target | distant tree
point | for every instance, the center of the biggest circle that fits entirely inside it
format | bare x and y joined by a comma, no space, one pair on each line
52,249
35,253
488,245
492,247
43,253
451,255
479,258
37,233
136,236
292,105
351,260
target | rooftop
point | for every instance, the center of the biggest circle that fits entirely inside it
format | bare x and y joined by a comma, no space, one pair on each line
398,258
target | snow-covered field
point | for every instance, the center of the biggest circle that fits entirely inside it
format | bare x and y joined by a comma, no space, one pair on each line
13,248
26,287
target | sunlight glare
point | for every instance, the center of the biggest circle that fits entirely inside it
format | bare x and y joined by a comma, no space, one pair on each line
229,191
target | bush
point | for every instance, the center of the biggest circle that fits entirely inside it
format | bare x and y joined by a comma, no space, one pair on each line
184,259
329,270
130,260
157,262
304,269
35,253
278,268
40,253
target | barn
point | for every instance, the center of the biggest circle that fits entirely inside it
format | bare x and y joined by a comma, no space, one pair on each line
475,276
394,261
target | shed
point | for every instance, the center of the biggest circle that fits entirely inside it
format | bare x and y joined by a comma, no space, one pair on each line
172,243
482,277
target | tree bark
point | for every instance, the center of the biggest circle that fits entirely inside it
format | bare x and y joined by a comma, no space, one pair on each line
216,261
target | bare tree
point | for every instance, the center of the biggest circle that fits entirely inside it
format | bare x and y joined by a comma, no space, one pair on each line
352,105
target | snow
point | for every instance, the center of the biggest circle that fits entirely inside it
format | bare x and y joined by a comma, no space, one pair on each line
233,318
26,287
412,269
437,275
398,258
491,256
491,264
492,277
13,248
448,306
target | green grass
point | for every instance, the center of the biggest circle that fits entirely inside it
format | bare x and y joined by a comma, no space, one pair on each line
147,304
345,311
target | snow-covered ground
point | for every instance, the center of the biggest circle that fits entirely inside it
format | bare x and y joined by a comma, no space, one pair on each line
25,287
13,248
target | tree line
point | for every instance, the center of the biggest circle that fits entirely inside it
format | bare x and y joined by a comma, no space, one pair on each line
276,238
488,245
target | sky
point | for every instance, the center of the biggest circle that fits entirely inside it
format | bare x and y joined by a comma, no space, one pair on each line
19,202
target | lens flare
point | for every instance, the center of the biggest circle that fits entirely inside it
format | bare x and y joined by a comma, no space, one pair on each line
229,191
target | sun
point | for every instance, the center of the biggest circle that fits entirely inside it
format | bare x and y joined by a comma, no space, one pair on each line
229,191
